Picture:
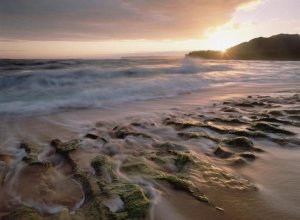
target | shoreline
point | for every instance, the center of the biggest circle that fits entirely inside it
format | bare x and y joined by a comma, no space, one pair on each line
121,139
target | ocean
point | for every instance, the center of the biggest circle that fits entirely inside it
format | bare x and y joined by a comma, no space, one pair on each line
29,87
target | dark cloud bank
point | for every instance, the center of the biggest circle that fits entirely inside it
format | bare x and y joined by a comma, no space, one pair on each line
111,19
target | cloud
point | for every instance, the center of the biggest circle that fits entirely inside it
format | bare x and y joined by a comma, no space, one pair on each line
87,20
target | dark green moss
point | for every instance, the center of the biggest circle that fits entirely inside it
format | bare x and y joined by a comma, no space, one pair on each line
239,143
167,146
65,147
85,183
269,128
176,182
181,123
135,201
23,213
158,159
123,132
182,159
194,135
92,210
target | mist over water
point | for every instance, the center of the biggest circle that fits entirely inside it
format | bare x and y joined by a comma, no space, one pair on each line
44,86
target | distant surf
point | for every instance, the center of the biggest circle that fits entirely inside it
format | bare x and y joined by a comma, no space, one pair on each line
43,86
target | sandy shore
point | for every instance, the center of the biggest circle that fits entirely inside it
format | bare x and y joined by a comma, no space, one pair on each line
222,153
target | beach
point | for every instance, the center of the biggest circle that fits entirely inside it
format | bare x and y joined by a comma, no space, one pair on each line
166,138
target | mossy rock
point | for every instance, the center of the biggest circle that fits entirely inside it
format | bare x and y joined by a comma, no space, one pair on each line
102,162
85,183
167,146
245,133
202,198
158,159
276,113
242,143
248,156
275,120
31,151
28,147
23,213
123,131
181,123
222,153
195,135
143,169
91,210
182,159
65,147
135,201
269,128
227,120
91,136
293,111
177,182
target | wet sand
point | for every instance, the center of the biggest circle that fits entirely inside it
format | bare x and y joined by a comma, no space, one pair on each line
222,153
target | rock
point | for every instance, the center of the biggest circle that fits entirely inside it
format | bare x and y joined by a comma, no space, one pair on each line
136,204
182,159
241,143
276,113
63,215
100,163
23,213
227,120
31,150
202,198
181,123
198,134
293,111
26,147
91,136
245,133
248,156
222,153
2,171
124,131
275,120
270,128
238,162
65,147
228,109
167,146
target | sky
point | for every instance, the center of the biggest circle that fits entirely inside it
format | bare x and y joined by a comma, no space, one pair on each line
104,28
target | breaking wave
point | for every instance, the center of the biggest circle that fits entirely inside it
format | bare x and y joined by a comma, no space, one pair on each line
43,86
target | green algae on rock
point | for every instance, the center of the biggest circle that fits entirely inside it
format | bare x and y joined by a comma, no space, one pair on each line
124,131
241,143
136,204
23,213
269,128
195,135
65,147
31,151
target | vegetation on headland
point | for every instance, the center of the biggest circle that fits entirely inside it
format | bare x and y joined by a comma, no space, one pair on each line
277,47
